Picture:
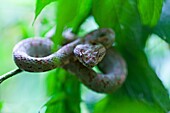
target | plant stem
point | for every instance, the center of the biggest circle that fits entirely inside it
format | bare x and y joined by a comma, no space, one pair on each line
9,74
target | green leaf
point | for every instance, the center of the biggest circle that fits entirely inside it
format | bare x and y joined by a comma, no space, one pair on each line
150,11
82,14
40,4
123,17
70,13
64,89
58,97
1,105
142,83
163,27
121,103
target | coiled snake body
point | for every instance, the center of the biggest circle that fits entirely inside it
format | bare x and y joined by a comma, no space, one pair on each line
35,55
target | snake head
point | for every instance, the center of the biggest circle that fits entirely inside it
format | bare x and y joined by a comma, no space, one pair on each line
89,55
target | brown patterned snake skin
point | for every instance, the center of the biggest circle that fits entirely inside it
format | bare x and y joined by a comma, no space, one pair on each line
78,57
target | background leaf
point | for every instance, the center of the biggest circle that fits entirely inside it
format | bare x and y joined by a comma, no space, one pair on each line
142,83
40,4
64,89
123,18
163,27
128,105
150,11
0,106
82,14
70,14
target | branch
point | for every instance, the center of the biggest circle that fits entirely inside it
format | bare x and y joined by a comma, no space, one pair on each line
9,74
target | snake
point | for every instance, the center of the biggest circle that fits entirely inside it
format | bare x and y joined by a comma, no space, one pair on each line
78,57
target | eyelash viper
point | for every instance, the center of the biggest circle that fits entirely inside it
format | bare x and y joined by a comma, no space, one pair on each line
78,56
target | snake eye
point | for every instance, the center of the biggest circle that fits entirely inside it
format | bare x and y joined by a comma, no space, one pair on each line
102,34
93,43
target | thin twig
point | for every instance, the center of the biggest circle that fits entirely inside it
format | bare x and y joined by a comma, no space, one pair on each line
9,74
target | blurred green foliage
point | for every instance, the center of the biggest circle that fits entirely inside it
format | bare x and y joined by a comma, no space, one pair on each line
150,11
133,21
40,4
162,28
0,105
121,103
18,94
64,90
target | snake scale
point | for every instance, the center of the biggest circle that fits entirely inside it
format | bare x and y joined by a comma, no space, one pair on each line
78,57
